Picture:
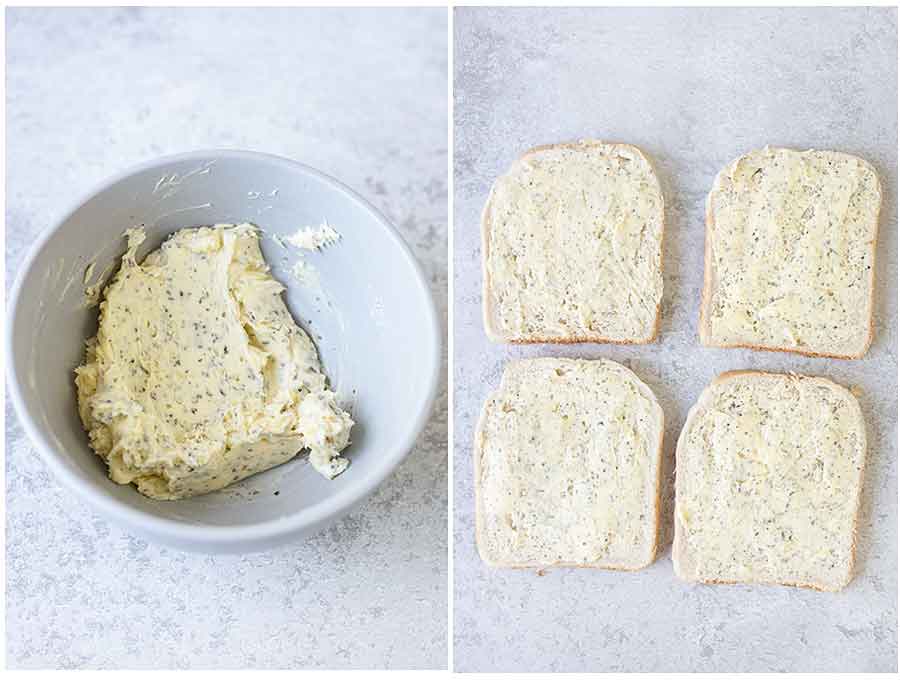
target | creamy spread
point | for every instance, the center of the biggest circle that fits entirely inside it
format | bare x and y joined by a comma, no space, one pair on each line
198,375
313,238
769,470
567,466
792,245
573,238
305,274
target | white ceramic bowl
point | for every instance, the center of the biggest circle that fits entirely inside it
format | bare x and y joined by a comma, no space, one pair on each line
373,320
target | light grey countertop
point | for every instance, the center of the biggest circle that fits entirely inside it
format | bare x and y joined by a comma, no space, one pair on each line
694,89
358,94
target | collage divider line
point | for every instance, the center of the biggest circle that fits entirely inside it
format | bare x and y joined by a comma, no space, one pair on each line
450,263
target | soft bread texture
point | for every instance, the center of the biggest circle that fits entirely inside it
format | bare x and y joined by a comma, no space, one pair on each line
790,253
572,247
567,467
768,481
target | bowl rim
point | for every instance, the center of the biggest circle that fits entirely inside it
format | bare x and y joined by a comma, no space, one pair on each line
277,528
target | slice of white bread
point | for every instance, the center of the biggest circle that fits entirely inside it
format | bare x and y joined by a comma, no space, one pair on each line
572,247
790,253
567,466
769,469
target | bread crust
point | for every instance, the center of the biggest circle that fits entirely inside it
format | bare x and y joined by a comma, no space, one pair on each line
479,515
491,326
709,274
681,558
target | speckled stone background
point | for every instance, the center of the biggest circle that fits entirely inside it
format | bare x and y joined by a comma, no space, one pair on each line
695,89
359,94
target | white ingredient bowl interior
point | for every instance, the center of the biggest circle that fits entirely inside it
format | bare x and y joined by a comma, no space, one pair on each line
372,319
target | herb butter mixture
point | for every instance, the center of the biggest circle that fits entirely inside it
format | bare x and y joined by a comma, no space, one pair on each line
198,376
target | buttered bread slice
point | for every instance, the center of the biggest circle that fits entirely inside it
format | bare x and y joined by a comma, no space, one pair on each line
567,466
790,252
572,247
768,479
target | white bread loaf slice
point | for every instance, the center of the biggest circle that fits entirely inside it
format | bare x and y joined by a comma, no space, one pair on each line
790,253
769,469
567,467
572,247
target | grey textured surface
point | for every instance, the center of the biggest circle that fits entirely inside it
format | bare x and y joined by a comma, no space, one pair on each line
358,94
694,89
